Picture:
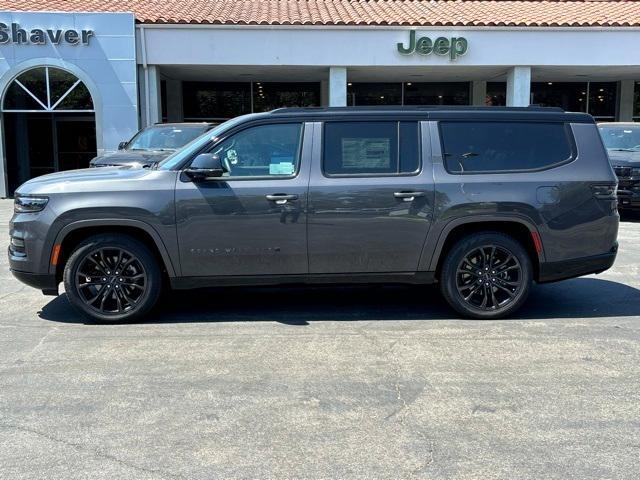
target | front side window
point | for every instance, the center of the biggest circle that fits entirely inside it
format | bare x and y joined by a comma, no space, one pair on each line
370,148
481,147
262,151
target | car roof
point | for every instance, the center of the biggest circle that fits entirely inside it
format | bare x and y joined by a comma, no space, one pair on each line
182,124
435,112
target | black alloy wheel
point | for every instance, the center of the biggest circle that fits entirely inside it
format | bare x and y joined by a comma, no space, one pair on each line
112,278
489,277
486,275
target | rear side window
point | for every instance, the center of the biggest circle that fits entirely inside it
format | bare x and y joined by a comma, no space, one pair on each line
483,147
371,148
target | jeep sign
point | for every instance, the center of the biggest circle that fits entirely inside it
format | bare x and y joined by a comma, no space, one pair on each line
38,36
454,46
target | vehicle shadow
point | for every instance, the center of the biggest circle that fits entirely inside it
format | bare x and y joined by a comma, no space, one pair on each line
577,298
630,216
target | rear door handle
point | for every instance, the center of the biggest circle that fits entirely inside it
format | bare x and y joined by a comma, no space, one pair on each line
281,198
408,196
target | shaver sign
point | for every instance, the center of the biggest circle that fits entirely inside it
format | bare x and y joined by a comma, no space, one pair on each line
13,33
454,47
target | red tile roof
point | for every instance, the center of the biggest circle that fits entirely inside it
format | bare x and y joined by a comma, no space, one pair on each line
357,12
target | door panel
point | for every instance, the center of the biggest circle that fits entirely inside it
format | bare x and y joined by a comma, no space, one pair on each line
244,226
375,224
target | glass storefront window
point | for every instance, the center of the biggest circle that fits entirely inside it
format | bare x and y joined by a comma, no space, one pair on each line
215,100
602,100
570,96
436,93
359,94
409,93
496,94
268,96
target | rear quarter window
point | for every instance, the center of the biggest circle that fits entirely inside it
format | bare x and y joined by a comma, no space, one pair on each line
491,147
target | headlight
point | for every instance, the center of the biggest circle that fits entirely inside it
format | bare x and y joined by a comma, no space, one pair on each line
29,204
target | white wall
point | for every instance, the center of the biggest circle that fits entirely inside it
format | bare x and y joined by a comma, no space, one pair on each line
107,66
318,46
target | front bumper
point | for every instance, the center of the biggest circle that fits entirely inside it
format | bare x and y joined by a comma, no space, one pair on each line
577,267
628,199
45,282
628,192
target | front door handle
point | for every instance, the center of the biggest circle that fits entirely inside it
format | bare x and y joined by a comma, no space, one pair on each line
408,196
281,198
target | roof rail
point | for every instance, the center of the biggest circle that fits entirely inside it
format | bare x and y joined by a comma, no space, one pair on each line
412,108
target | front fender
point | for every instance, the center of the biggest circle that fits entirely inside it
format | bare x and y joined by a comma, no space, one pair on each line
116,222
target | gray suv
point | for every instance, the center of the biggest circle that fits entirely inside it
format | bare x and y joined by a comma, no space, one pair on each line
482,201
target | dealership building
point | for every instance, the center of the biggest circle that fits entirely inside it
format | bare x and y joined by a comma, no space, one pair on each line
77,77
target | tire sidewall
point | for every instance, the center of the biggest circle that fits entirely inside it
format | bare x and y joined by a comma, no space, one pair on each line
149,263
461,249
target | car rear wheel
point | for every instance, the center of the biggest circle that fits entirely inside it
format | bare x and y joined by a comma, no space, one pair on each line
486,275
112,278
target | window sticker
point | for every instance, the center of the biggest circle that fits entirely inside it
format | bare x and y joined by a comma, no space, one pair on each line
366,153
281,168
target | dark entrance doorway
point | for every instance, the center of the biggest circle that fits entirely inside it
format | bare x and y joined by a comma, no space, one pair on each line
41,143
49,125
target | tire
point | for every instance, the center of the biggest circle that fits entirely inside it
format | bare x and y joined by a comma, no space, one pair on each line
122,294
504,280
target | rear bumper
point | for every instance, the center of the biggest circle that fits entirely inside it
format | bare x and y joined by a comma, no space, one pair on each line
45,282
576,267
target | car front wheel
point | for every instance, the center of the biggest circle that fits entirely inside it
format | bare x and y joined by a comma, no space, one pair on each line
112,278
486,275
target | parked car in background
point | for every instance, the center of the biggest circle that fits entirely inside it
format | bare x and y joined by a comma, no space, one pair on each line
622,141
483,201
152,144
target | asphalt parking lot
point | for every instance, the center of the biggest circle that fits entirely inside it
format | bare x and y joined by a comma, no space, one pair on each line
358,382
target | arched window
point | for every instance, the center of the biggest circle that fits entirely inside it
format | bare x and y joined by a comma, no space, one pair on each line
47,89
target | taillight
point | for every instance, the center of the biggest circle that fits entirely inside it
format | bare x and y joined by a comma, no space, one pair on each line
605,191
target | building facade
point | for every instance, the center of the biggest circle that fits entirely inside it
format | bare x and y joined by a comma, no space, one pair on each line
78,81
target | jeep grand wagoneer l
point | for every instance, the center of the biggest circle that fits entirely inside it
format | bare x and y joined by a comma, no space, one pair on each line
483,201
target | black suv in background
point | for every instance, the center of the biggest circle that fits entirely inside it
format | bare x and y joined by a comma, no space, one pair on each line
152,144
622,141
483,201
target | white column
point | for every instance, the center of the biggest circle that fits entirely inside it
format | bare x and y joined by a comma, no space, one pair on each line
337,87
150,101
519,87
155,101
478,93
625,101
174,101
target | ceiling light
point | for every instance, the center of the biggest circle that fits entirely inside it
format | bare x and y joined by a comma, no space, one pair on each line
549,83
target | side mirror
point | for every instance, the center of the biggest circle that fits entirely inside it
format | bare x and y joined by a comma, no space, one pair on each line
205,165
122,145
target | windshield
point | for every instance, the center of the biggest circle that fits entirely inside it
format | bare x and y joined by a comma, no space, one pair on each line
621,137
168,137
175,159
